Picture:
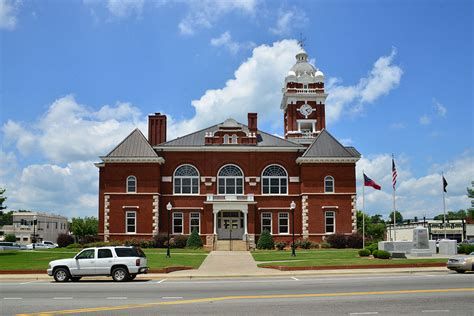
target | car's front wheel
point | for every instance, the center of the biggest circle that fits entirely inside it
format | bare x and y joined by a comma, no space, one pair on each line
132,276
460,271
61,275
120,274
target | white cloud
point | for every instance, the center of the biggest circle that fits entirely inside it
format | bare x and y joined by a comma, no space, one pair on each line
287,20
398,125
204,13
8,14
225,40
383,78
125,8
416,195
425,120
440,108
70,131
8,163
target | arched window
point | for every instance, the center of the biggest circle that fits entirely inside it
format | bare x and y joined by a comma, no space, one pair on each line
329,184
234,139
226,139
131,184
186,180
274,180
230,180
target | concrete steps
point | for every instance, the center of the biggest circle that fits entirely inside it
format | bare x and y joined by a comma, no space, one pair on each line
225,245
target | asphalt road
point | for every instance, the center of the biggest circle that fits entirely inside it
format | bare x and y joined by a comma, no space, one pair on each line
443,293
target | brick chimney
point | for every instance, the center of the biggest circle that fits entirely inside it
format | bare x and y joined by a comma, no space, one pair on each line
252,122
156,129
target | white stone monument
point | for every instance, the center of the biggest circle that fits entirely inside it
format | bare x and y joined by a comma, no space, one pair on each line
421,246
448,247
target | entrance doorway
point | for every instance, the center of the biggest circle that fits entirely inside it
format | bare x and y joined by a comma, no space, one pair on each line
230,225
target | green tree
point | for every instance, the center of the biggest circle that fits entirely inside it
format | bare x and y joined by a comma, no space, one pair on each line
374,226
470,194
194,241
87,226
10,237
376,219
265,241
6,218
450,215
360,218
398,218
376,231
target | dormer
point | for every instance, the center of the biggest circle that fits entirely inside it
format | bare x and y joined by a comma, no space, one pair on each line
230,132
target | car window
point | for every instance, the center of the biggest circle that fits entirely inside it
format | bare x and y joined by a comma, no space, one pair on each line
105,253
86,254
129,252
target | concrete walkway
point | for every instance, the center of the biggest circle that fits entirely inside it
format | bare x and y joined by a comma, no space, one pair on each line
227,263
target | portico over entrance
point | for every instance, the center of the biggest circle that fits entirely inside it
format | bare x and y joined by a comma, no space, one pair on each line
230,215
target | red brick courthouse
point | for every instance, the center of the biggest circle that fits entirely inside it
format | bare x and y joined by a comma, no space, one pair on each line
232,180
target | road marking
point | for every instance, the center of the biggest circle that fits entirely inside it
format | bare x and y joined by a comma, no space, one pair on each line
171,297
13,298
365,313
295,279
62,298
161,281
436,311
29,282
117,298
244,297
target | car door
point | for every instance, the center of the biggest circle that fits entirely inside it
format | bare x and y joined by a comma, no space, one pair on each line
104,261
85,263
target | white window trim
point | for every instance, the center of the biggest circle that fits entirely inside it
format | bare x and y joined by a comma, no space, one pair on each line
287,180
219,177
333,185
126,222
198,178
325,223
199,226
279,233
226,139
126,184
271,222
234,139
182,223
313,123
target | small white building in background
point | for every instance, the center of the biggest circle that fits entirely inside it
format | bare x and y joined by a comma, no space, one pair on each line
455,229
48,227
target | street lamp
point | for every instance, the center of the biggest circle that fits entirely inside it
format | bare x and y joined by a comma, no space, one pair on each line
34,232
169,207
292,208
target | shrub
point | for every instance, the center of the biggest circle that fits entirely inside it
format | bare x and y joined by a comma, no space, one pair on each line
337,241
72,246
315,245
364,252
281,245
194,240
179,241
325,245
354,241
372,247
90,239
161,240
265,241
10,238
147,243
305,244
132,242
381,254
64,240
465,248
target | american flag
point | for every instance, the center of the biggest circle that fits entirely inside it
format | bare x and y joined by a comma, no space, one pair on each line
394,174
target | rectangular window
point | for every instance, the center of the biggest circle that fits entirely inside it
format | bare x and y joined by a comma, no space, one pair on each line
283,223
267,222
194,222
104,253
330,219
177,223
131,222
56,225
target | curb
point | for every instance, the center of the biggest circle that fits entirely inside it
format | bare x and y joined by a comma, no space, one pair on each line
369,266
43,271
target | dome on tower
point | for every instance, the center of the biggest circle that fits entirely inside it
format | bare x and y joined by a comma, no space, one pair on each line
302,66
319,76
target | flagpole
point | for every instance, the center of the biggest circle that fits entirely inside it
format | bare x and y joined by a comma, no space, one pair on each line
394,221
444,204
363,209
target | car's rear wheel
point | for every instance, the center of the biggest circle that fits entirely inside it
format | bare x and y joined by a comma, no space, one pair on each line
460,271
61,275
120,274
75,279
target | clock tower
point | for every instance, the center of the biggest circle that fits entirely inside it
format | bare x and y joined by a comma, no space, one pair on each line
303,101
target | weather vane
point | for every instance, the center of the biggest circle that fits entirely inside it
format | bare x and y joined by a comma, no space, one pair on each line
301,41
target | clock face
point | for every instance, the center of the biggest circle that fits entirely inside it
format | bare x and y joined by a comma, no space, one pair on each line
306,109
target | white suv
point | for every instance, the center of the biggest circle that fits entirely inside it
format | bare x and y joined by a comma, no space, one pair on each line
121,262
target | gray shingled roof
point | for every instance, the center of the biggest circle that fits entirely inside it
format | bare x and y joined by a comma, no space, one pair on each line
134,145
325,145
197,139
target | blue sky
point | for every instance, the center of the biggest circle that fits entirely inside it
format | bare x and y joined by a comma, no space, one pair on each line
78,76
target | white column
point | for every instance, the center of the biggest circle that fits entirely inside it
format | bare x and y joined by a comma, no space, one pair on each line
215,223
245,224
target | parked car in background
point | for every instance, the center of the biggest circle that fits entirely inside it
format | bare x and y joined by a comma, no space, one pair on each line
468,241
6,245
37,246
461,264
123,263
50,244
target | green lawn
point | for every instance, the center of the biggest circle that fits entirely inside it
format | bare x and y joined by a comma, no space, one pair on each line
326,257
39,259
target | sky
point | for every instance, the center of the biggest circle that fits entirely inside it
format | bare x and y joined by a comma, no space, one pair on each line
76,77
